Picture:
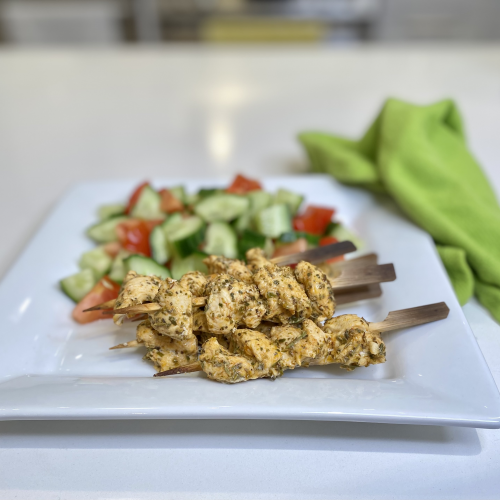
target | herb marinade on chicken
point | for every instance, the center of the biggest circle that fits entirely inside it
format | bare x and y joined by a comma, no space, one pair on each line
259,320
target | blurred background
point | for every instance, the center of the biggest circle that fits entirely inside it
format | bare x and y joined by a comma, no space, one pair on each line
99,22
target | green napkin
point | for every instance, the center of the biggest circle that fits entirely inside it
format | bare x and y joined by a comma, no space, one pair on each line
418,156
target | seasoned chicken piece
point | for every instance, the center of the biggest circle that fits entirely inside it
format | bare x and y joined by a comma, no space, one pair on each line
223,265
135,290
299,346
165,352
195,282
222,339
351,343
256,259
220,365
318,289
200,321
286,299
231,303
265,327
175,318
262,353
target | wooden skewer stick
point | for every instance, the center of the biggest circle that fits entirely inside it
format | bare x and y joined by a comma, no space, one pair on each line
105,305
193,367
320,254
140,308
413,316
403,318
131,343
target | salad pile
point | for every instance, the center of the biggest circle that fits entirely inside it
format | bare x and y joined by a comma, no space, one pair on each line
169,232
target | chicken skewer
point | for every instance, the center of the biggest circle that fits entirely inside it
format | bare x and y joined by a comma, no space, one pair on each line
347,340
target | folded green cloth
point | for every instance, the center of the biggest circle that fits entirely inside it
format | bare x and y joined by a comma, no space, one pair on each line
418,156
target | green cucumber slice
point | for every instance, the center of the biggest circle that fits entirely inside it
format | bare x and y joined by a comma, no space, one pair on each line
118,270
179,192
220,239
145,266
192,263
250,239
273,221
292,200
96,260
105,231
148,205
106,211
159,245
186,235
259,200
206,192
222,207
292,236
78,285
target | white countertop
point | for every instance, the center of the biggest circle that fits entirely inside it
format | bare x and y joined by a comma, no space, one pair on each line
66,116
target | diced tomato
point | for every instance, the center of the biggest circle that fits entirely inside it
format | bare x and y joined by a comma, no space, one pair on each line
299,245
134,235
135,197
314,220
103,291
243,185
170,203
112,248
328,240
153,223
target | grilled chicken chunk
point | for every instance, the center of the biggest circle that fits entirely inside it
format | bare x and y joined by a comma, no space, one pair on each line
256,259
351,343
175,318
195,282
221,365
165,352
231,303
299,346
318,289
233,267
135,290
286,299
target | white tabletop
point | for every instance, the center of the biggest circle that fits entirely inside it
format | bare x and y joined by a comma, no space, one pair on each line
68,116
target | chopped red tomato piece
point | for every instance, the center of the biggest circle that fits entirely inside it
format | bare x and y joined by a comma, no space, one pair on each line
170,203
314,220
153,223
104,290
328,240
134,235
112,248
135,197
299,245
243,185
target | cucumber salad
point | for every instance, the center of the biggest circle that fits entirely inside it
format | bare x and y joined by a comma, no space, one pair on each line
169,232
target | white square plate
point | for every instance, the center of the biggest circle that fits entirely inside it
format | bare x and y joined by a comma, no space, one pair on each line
52,368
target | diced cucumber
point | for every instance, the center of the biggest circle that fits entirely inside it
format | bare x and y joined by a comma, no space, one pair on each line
159,245
148,205
205,193
341,233
292,200
171,221
192,199
97,260
106,211
186,235
145,266
269,248
179,192
259,200
222,207
250,239
273,221
118,271
105,232
292,236
78,285
221,239
243,222
192,263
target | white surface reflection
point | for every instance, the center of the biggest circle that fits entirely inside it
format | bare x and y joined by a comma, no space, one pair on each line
220,140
